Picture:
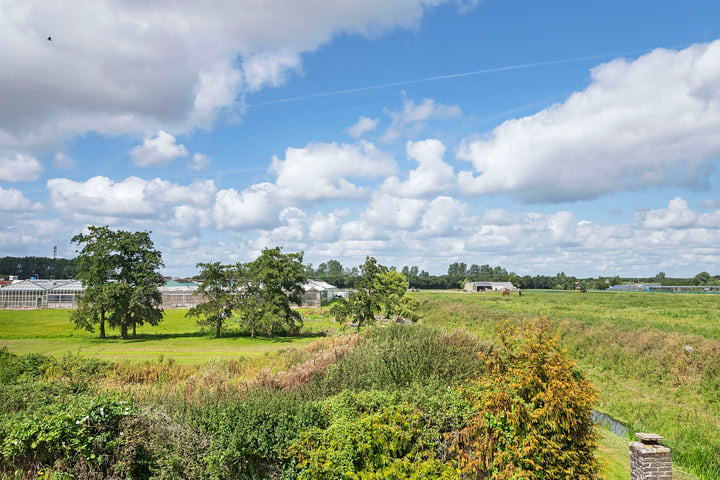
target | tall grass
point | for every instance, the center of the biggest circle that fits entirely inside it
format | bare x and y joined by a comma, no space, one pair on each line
397,356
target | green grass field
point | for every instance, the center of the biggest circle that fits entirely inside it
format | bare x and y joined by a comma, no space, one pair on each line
688,314
50,332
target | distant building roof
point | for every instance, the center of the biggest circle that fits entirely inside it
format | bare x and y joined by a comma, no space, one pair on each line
634,287
318,285
492,284
43,285
181,283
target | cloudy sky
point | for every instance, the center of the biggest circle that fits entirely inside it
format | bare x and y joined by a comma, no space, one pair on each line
543,136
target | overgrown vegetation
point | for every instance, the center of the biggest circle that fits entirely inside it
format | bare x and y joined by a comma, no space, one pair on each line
655,358
392,402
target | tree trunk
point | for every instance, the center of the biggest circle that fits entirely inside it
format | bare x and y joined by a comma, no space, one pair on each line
124,328
252,329
218,326
134,324
102,324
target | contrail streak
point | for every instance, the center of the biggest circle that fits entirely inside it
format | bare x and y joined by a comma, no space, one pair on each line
484,71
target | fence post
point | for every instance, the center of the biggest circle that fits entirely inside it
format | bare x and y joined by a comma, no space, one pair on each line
649,460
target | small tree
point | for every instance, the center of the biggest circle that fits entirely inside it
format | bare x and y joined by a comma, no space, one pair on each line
392,287
378,290
360,307
701,278
218,289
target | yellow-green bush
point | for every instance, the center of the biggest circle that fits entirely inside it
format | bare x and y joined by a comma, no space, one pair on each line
533,411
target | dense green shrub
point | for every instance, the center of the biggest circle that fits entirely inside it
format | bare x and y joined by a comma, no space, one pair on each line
405,402
87,430
249,436
375,435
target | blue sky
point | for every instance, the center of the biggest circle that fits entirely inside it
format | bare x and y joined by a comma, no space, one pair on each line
541,136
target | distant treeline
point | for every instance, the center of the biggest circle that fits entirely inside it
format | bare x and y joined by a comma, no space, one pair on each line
458,273
336,274
40,267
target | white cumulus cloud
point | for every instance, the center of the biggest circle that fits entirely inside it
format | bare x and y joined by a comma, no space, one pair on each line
432,176
160,65
62,161
363,125
638,124
254,207
676,215
443,216
198,162
12,200
19,168
412,118
320,171
131,198
325,228
396,212
157,151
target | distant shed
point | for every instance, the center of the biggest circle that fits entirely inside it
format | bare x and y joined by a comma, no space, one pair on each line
488,287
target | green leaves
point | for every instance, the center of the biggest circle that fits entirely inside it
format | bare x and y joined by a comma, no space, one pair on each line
219,289
119,271
533,412
379,291
259,293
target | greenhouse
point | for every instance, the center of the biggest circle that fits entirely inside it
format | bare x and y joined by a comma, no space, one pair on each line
40,294
179,294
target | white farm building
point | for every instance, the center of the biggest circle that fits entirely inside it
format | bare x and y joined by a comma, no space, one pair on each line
489,287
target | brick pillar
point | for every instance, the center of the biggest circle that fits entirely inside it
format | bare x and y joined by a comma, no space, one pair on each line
649,460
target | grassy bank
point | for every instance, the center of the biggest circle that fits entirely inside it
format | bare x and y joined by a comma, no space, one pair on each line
654,357
391,402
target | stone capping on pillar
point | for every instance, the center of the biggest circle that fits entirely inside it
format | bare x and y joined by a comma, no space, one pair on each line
649,460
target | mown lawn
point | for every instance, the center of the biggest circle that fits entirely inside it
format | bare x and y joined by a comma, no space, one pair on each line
177,337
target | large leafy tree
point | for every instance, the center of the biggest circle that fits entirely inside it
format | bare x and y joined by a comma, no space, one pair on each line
137,282
119,271
275,284
96,268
